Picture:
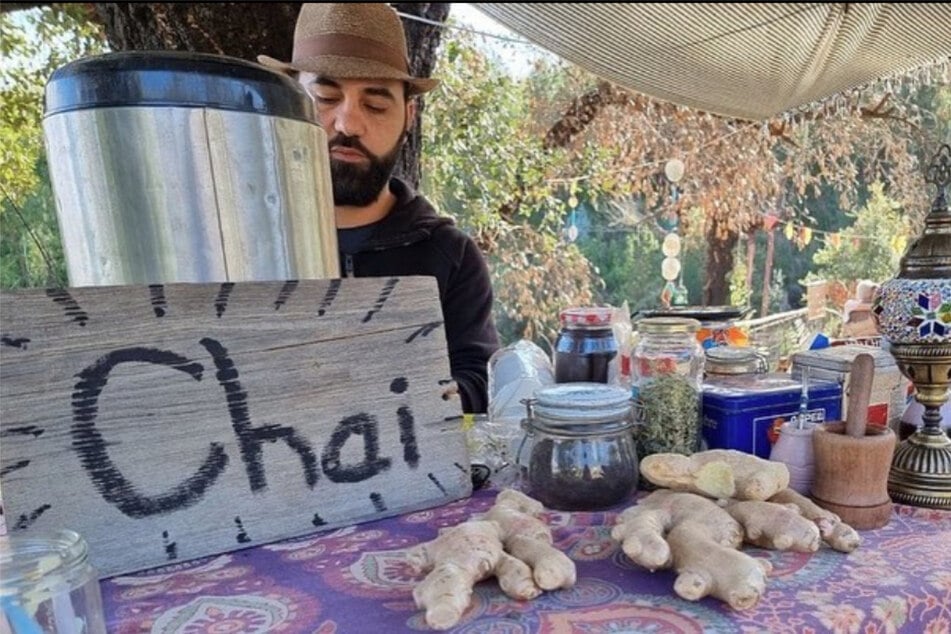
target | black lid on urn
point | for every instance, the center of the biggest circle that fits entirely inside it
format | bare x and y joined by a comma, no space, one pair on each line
178,79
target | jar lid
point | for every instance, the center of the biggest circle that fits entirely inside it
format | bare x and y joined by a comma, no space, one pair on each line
731,354
668,325
586,316
582,408
733,360
155,79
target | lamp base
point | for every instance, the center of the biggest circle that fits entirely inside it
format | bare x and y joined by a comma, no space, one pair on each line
921,470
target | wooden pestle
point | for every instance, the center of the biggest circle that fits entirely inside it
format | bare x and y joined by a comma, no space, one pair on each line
852,459
860,395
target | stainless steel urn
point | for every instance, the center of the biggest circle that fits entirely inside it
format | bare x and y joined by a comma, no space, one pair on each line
183,167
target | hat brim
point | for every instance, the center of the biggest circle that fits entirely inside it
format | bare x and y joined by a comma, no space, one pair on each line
350,68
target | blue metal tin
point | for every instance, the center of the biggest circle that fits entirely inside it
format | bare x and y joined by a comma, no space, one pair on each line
745,412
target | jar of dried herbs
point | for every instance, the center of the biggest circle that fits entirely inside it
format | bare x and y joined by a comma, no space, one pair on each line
668,366
579,446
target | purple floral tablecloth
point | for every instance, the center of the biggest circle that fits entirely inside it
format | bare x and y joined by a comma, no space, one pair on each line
356,580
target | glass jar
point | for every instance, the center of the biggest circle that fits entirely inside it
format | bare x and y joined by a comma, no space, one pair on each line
581,454
731,360
48,585
668,376
585,345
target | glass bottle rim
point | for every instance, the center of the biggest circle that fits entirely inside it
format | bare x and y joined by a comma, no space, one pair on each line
31,559
668,325
586,317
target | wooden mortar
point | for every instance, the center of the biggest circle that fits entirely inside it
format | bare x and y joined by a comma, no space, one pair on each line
852,459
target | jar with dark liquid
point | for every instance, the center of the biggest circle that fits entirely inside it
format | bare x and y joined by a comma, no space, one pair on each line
585,345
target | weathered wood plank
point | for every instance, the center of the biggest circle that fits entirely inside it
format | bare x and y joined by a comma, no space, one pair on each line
175,421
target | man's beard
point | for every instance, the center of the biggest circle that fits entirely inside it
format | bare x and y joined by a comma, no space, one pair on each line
359,185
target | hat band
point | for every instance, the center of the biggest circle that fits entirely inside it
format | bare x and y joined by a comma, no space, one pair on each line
350,46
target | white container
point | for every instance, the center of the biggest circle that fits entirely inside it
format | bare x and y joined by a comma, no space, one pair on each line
794,449
889,388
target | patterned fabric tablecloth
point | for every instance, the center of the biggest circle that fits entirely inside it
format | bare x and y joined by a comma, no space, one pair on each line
356,580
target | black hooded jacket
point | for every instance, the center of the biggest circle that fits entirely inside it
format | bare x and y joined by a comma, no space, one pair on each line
413,240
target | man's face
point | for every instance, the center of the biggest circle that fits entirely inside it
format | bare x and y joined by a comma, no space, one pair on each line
365,122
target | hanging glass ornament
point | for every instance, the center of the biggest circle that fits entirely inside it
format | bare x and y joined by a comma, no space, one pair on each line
674,170
671,246
670,269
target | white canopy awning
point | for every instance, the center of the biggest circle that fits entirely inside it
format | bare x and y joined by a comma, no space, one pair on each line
750,61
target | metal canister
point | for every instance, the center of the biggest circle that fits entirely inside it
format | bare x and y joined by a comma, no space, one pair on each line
183,167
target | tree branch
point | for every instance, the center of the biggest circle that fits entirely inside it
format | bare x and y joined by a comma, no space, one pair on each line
9,7
583,111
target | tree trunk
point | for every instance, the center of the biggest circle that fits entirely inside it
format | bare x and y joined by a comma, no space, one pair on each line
423,40
750,259
239,29
768,273
720,245
248,29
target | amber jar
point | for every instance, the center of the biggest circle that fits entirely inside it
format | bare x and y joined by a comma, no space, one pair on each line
585,345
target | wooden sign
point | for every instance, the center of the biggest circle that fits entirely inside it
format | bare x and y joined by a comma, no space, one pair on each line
168,422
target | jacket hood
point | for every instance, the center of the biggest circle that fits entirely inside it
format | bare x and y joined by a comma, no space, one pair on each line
412,219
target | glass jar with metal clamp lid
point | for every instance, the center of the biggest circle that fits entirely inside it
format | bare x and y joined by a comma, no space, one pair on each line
732,360
580,453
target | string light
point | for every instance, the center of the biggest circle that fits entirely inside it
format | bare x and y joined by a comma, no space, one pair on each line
796,228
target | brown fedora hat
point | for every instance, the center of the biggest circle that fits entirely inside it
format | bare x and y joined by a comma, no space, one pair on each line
351,40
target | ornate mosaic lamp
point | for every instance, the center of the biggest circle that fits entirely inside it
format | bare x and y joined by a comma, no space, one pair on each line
913,311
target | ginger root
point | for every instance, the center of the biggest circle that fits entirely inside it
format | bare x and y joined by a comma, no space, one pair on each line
776,526
834,531
681,528
717,473
457,559
529,539
508,541
699,540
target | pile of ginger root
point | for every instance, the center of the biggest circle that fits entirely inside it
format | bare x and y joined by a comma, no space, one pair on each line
710,504
509,541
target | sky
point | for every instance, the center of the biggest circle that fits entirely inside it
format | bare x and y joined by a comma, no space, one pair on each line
468,16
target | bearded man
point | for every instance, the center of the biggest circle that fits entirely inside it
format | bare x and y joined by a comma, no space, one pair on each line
352,59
